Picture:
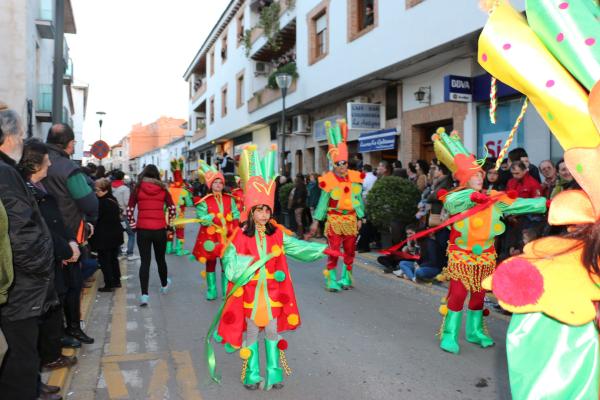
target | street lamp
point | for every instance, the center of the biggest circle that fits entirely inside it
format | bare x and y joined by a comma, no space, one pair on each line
284,82
100,115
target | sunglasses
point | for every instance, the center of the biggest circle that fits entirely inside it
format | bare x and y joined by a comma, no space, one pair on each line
341,163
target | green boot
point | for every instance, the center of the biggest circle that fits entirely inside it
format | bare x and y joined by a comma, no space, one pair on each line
179,249
346,281
331,282
170,247
211,286
274,372
450,329
224,284
475,332
251,375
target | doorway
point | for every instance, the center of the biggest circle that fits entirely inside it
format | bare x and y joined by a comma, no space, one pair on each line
425,132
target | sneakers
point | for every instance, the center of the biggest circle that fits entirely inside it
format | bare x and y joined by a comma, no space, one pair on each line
132,257
165,289
144,300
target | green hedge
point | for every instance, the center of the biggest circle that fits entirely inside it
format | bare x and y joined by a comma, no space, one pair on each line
392,199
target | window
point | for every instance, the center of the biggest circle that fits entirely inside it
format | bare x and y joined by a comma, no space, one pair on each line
240,29
212,109
224,101
200,123
362,17
224,49
212,62
391,102
318,32
239,100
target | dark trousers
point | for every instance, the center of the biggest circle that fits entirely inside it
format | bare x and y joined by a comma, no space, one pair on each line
74,280
109,262
19,371
51,332
146,240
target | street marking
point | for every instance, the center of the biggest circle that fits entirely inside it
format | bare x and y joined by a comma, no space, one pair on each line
118,331
115,382
186,375
150,335
132,357
158,383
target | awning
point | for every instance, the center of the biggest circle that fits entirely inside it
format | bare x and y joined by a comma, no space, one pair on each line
378,140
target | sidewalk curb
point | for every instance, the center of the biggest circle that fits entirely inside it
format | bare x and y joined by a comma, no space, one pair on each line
62,377
364,260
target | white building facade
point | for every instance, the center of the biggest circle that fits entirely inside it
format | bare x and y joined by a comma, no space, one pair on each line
27,52
396,74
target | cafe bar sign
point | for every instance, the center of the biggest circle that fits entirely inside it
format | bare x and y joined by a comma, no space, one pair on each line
364,116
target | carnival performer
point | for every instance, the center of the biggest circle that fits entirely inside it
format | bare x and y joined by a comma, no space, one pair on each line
182,198
261,295
471,251
218,216
341,206
553,288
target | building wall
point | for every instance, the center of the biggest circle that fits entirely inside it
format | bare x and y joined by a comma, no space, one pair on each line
144,138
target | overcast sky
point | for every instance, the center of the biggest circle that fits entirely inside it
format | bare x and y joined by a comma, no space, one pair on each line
133,54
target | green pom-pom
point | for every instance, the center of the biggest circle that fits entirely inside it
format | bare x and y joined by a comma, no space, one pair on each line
192,257
209,245
217,337
579,168
477,249
279,276
229,348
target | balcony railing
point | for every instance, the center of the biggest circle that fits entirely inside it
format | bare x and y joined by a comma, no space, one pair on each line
199,134
200,90
267,96
45,19
44,100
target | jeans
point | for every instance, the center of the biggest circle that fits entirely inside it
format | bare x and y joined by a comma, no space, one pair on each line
130,238
423,272
148,239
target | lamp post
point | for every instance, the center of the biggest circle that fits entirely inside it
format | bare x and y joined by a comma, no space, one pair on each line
284,82
100,115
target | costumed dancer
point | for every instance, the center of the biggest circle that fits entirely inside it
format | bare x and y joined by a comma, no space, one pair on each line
341,206
218,216
261,295
553,288
238,193
182,198
471,251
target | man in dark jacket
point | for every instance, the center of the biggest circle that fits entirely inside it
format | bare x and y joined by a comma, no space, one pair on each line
32,251
79,208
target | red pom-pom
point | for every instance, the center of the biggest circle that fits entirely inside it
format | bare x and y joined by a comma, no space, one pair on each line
228,318
322,184
548,202
477,197
441,193
512,194
349,267
363,175
284,298
346,189
518,283
282,344
486,312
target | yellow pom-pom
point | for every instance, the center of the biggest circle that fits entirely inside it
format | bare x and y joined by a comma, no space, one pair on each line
239,292
211,230
293,319
326,273
443,309
477,223
440,130
203,274
229,218
356,189
276,250
245,353
202,260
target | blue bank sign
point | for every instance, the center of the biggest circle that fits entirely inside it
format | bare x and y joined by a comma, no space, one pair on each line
377,141
458,88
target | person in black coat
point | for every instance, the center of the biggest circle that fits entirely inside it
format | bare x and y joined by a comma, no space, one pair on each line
108,236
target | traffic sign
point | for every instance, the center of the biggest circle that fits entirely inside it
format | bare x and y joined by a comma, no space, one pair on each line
100,149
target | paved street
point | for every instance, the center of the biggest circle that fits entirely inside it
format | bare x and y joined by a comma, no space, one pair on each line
374,342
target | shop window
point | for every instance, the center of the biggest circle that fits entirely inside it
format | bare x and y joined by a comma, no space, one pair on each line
224,102
391,102
239,101
318,21
212,109
362,17
493,136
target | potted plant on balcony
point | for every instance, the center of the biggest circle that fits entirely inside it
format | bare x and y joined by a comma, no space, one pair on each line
391,205
289,68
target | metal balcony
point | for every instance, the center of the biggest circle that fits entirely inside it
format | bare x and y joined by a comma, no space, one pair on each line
43,110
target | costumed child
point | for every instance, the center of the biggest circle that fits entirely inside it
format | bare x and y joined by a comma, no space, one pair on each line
341,206
553,288
218,216
182,198
261,295
475,222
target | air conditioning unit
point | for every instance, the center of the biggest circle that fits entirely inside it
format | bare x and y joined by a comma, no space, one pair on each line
262,68
301,124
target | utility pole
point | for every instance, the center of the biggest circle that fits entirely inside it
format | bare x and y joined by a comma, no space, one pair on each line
59,64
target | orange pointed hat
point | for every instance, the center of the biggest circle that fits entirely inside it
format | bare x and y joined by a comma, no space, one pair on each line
336,137
257,177
450,150
210,173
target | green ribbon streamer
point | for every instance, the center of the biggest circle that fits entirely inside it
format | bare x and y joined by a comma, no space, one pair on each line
209,350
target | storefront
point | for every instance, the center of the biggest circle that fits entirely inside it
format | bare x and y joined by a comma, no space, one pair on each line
378,145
